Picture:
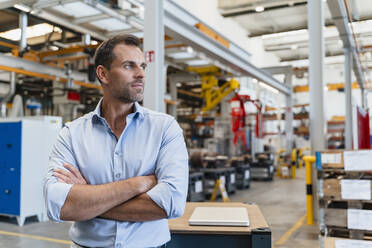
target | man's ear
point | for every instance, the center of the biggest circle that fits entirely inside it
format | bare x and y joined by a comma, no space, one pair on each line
102,74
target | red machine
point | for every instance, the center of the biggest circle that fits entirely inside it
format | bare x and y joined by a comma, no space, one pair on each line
238,117
363,129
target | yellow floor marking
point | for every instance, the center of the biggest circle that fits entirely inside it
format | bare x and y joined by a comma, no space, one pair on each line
288,234
61,241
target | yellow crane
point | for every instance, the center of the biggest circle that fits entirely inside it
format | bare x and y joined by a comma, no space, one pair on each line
211,91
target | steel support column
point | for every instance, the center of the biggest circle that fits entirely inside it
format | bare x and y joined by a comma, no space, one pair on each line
348,99
316,75
287,71
23,27
154,53
289,114
318,124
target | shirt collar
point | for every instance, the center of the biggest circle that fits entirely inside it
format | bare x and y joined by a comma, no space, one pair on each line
139,111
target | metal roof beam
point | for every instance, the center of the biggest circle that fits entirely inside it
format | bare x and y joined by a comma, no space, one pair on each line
179,24
33,66
340,17
89,18
68,24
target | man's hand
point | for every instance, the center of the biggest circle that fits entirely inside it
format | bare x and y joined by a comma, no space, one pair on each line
72,176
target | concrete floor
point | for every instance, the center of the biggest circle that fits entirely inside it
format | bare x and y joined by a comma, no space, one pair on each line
282,202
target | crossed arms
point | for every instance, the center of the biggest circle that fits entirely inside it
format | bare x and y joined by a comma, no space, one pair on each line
123,200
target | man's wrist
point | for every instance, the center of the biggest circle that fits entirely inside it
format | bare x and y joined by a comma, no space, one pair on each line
139,184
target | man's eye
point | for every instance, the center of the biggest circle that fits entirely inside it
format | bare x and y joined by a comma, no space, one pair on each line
143,67
128,66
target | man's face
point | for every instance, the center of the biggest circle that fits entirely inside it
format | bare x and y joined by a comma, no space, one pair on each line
126,76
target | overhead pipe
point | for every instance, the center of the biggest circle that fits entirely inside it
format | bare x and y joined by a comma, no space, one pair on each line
23,27
17,107
11,92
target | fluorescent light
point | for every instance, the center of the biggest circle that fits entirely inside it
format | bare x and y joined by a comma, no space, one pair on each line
197,62
294,46
53,48
31,31
259,9
110,24
77,9
181,55
22,7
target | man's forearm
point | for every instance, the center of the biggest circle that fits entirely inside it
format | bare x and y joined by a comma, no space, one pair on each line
85,202
139,209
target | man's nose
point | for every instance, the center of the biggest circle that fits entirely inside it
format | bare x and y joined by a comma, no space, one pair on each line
140,72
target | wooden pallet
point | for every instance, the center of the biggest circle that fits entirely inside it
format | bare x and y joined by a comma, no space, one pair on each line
339,232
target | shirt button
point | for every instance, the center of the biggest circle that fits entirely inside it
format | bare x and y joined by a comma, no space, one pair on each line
118,175
118,245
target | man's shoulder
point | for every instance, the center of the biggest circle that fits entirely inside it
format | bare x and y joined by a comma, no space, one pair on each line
81,121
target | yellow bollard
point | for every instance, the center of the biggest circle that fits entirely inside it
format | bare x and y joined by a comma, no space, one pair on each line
309,189
294,158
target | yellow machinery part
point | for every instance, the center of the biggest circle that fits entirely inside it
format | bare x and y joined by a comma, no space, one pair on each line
213,94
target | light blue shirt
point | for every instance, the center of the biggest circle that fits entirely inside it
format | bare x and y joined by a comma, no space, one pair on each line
151,143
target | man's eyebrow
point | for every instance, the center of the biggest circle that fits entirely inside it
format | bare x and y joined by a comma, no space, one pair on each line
128,61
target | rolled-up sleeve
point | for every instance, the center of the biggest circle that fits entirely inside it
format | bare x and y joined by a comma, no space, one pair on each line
172,172
55,192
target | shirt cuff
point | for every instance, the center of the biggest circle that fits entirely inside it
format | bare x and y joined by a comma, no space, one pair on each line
162,196
56,197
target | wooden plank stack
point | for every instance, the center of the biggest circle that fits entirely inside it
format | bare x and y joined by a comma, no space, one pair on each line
345,197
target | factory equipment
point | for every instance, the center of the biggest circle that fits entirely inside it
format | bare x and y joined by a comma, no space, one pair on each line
243,172
196,188
263,168
230,180
211,176
25,146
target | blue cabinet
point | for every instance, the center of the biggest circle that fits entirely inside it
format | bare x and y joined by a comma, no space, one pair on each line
10,164
25,146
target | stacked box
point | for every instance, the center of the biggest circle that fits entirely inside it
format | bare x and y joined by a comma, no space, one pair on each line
345,198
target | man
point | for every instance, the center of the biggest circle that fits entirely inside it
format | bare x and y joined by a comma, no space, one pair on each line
120,171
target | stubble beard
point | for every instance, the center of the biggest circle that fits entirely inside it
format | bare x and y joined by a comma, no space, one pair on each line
129,95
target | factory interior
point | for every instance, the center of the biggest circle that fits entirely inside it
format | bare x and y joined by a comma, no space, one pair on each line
272,97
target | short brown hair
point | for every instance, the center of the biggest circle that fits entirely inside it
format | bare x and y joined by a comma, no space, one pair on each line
104,54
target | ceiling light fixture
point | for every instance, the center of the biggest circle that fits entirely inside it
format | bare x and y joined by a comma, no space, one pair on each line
22,7
31,31
259,9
